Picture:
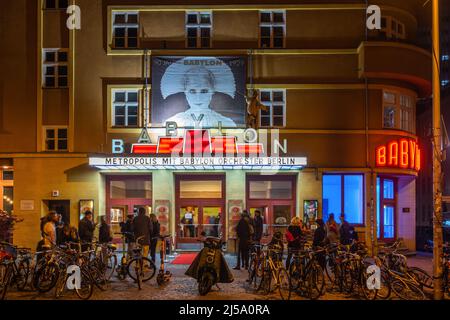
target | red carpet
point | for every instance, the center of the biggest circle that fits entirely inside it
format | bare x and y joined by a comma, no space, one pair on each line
184,258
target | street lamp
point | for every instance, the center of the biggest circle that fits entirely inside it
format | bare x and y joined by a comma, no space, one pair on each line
437,158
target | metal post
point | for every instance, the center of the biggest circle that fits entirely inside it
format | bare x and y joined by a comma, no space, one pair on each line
437,157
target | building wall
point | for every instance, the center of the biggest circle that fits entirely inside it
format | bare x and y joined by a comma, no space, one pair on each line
35,178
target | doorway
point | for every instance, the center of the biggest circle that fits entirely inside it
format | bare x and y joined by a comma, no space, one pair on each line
60,206
124,196
275,198
386,208
200,208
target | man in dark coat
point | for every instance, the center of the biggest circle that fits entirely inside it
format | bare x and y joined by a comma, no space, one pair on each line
244,231
258,225
345,232
86,230
143,227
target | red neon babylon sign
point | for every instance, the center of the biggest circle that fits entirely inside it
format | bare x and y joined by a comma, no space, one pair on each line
403,153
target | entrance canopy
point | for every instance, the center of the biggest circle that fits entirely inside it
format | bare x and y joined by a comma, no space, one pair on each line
198,163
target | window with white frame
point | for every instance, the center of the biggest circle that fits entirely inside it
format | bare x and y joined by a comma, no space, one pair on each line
398,111
392,28
275,101
272,29
55,68
125,107
55,139
125,30
198,29
56,4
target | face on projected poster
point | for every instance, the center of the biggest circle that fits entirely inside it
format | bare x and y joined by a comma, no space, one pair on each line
198,91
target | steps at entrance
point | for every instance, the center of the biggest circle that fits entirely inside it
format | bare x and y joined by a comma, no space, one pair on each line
402,249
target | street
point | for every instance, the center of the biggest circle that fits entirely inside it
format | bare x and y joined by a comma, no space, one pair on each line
182,287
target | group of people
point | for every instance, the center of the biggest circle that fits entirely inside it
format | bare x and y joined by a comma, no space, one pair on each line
250,231
55,231
144,227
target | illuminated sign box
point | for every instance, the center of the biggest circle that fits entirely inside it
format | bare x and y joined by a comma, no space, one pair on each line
198,163
403,153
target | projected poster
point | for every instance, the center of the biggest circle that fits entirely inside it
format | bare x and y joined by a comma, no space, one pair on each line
198,91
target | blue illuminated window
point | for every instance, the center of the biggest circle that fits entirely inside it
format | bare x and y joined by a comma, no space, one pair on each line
343,194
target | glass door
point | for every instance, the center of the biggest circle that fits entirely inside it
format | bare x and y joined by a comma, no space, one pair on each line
188,223
386,204
199,209
211,221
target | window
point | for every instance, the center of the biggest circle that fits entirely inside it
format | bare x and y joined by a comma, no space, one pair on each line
8,175
343,194
391,28
198,29
125,30
272,29
125,108
276,189
398,111
55,68
55,139
130,189
445,83
8,199
205,189
275,101
56,4
445,57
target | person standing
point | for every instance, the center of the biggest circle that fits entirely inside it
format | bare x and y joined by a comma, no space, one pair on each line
86,230
59,225
294,238
244,231
156,229
143,227
319,240
258,224
127,229
332,229
49,230
104,234
344,231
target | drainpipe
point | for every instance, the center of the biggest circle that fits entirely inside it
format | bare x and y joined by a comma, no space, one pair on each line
372,219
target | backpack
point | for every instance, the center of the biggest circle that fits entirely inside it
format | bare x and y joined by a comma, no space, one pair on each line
289,236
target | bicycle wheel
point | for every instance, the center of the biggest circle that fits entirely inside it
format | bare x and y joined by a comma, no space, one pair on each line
23,271
346,278
265,283
316,281
46,277
259,272
284,284
110,266
369,294
5,279
98,277
384,292
407,291
60,285
294,276
148,269
330,270
251,272
87,288
421,276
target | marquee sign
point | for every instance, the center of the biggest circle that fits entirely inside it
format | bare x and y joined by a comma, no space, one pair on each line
403,153
197,150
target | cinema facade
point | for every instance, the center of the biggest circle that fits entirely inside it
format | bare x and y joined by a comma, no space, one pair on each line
146,107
